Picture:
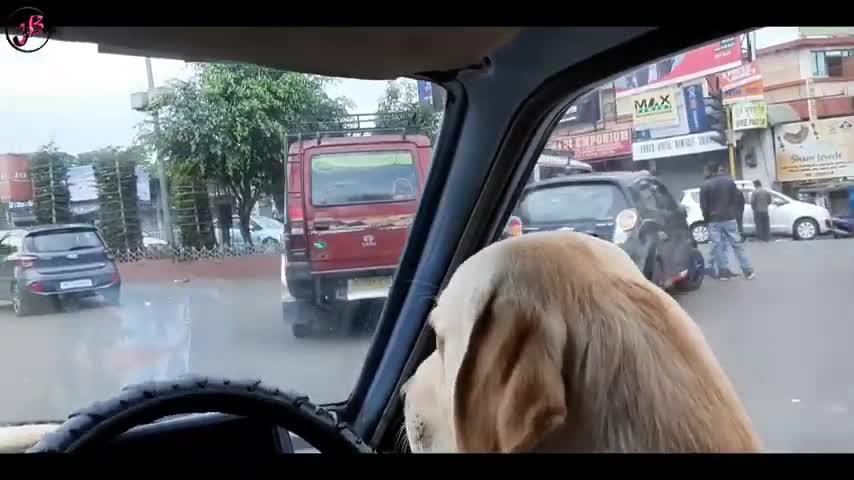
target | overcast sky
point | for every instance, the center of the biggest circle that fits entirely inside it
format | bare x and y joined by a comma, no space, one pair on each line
79,98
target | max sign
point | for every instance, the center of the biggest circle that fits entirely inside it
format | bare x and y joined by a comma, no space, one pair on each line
655,107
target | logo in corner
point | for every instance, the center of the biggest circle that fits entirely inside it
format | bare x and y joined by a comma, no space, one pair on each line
26,30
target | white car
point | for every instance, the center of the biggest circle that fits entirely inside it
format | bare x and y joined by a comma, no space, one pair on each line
149,241
789,217
264,230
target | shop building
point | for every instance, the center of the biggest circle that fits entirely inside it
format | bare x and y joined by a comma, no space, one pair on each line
809,87
674,135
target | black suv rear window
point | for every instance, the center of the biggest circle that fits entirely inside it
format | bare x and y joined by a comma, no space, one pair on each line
568,203
62,240
363,177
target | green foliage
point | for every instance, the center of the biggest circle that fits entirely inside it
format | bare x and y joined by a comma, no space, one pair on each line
193,212
115,178
49,174
400,107
228,124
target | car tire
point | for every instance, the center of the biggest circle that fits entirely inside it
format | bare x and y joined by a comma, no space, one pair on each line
112,296
21,307
696,272
700,232
301,330
805,229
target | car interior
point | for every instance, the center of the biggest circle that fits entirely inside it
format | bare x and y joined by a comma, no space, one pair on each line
506,89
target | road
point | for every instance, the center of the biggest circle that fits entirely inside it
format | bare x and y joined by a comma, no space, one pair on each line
785,338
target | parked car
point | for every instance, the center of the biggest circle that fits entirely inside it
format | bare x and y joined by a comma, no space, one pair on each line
632,209
43,263
350,203
264,231
789,217
150,241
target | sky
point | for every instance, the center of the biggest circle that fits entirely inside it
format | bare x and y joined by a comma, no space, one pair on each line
71,94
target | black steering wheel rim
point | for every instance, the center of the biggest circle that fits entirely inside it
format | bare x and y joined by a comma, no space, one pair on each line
94,426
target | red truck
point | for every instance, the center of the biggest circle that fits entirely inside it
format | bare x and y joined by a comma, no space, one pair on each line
350,201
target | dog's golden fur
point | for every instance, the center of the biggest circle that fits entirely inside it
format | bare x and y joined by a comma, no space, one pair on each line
556,342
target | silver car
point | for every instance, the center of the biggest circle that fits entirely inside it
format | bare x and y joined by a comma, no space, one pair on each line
41,264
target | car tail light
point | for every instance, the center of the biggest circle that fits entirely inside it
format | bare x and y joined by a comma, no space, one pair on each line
515,226
115,278
37,287
625,222
26,261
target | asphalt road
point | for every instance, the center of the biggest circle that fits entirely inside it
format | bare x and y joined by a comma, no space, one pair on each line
785,338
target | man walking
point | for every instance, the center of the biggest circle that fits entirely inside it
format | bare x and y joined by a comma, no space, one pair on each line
721,207
759,202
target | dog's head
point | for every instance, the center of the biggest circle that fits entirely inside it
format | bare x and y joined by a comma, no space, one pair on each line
530,326
494,383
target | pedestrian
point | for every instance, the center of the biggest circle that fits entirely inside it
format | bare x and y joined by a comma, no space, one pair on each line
720,204
759,202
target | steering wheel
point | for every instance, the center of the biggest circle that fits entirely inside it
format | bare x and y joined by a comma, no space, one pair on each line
93,427
407,185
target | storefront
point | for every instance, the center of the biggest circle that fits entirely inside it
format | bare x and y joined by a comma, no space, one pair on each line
679,161
813,154
604,150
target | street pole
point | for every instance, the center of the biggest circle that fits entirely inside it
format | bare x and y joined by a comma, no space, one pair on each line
730,140
161,170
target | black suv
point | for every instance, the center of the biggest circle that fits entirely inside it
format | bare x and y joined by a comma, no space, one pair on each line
631,209
40,264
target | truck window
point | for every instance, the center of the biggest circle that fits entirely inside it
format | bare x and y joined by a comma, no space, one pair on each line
363,177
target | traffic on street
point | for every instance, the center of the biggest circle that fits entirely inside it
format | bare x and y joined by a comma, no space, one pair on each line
241,221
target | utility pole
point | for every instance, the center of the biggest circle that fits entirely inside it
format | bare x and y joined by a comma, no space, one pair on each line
161,169
730,140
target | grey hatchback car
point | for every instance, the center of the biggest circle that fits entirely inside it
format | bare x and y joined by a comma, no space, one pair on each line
42,264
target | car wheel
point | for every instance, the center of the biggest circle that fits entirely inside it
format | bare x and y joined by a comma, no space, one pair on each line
301,330
696,272
805,229
20,306
700,232
112,296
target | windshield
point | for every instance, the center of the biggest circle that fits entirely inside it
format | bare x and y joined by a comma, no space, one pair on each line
79,144
265,222
63,240
363,177
570,203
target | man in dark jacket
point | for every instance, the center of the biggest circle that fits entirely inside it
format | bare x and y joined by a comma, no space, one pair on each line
759,202
721,206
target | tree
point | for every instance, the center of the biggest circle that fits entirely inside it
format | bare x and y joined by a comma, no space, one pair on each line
49,174
193,212
115,177
399,107
228,124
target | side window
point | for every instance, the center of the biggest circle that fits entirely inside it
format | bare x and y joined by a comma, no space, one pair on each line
9,245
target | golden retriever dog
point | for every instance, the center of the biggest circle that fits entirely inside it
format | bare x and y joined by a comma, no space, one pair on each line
555,342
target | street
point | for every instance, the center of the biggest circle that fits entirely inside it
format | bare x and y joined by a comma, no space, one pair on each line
785,339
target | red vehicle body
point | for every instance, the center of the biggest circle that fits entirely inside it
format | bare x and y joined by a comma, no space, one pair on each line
350,202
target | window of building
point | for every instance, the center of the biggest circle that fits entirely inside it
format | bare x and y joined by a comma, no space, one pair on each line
832,63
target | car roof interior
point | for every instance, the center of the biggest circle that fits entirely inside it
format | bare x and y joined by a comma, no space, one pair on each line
507,88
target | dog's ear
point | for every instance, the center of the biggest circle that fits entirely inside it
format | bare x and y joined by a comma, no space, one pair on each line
509,391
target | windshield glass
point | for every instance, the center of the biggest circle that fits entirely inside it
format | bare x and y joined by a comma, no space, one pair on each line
363,177
569,203
60,241
265,222
211,266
